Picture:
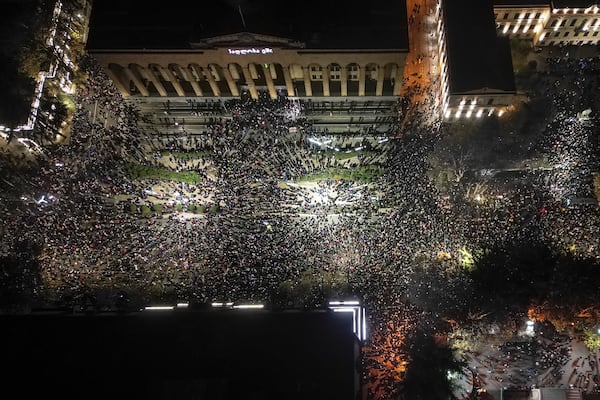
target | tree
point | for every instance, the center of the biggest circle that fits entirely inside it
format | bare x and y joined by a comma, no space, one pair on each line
459,165
430,366
592,340
513,274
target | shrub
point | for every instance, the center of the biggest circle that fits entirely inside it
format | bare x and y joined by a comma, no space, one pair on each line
146,211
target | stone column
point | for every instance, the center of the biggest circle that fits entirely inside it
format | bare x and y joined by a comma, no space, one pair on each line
230,82
344,80
326,81
307,84
398,81
269,80
114,76
189,76
361,80
149,74
250,82
136,81
288,80
380,75
211,81
174,82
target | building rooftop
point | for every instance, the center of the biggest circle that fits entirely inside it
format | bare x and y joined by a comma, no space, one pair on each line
521,3
553,3
226,354
477,57
574,3
16,21
319,24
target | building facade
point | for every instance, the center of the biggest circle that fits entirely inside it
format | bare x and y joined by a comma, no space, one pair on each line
477,79
549,23
232,65
348,68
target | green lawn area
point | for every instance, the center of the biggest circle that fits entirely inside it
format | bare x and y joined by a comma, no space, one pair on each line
366,173
138,171
192,155
342,155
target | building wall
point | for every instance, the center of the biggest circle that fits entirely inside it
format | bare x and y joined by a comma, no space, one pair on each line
476,104
550,26
225,72
479,104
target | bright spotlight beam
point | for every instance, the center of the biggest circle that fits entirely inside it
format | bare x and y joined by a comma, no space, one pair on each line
249,306
158,308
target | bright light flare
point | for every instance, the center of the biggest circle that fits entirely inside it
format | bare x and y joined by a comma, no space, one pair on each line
344,302
358,315
219,304
249,306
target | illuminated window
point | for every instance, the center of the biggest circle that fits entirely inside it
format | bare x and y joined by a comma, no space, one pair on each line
335,72
316,72
353,72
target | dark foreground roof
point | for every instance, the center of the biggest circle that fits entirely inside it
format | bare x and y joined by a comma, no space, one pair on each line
320,24
521,3
477,57
553,3
230,354
573,3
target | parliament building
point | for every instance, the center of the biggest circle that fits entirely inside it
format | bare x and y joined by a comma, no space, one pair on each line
349,64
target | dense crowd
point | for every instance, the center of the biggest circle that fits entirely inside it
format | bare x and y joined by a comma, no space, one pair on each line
278,236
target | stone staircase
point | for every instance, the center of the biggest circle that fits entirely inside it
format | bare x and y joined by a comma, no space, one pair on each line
573,394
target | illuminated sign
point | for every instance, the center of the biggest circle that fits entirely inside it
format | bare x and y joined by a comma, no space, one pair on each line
253,50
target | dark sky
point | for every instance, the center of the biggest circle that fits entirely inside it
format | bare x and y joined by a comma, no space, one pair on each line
318,23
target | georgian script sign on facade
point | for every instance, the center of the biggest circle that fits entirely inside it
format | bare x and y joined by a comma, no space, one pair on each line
252,50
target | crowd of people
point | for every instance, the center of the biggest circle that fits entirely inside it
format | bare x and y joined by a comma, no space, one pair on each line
287,231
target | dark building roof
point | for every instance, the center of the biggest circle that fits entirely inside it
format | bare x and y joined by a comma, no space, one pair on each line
573,3
16,21
229,354
521,3
553,3
320,24
477,57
